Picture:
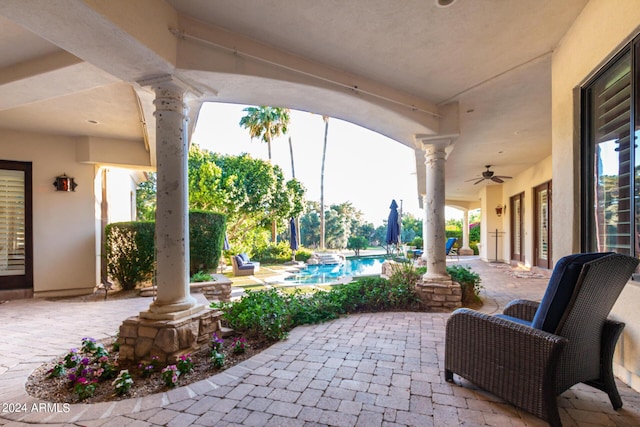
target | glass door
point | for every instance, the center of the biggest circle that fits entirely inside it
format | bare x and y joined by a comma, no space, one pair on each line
16,270
517,227
542,237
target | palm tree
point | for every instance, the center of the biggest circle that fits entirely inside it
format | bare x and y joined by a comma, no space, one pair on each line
324,155
267,123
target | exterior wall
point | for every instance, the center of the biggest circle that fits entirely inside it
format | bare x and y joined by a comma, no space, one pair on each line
599,32
63,223
525,182
490,197
67,226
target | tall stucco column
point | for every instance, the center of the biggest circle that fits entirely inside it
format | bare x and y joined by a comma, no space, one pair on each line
173,299
434,236
465,249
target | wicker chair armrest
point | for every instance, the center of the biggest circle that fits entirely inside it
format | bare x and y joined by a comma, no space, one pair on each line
522,309
511,360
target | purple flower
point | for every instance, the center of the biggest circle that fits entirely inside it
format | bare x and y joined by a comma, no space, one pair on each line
85,361
72,377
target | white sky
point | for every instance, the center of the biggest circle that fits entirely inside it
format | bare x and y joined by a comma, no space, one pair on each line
362,166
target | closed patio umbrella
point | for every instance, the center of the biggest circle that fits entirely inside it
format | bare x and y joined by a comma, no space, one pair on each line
293,241
393,225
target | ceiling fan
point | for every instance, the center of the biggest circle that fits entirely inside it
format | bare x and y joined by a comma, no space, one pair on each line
488,174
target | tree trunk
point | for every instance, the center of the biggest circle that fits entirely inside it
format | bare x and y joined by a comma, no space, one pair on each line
324,155
293,169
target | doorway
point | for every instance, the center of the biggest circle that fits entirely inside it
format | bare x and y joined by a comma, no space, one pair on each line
16,236
542,225
517,227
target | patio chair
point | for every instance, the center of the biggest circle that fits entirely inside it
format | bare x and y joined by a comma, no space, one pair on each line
535,351
243,266
450,248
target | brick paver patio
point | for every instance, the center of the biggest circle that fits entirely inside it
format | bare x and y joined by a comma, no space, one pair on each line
367,370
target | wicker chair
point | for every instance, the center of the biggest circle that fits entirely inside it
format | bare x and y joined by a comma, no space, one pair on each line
536,351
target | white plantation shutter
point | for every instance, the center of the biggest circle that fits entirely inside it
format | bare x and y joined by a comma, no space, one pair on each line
12,222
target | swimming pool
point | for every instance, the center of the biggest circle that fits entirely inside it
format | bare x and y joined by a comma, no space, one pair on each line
326,274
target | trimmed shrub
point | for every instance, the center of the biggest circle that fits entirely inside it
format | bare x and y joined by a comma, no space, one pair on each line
469,282
417,242
206,237
130,252
303,254
272,253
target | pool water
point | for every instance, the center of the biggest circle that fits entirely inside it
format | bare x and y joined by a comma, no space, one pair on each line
325,274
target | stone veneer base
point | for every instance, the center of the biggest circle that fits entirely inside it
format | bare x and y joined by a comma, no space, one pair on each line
141,339
439,295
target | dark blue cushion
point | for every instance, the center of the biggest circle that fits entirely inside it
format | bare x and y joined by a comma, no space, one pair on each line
561,285
514,319
239,260
244,257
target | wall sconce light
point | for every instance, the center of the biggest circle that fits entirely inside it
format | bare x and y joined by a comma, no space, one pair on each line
500,209
65,183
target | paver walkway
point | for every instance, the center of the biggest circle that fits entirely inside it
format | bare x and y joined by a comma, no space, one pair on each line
368,370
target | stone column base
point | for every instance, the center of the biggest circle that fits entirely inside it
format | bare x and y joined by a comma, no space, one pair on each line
439,294
141,338
465,252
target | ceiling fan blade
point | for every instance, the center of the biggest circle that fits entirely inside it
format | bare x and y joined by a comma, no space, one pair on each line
473,179
497,179
503,177
478,181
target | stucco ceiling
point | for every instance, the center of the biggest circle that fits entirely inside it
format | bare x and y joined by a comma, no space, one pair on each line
492,57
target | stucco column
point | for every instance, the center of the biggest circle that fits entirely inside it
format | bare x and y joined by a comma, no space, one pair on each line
434,236
172,214
465,249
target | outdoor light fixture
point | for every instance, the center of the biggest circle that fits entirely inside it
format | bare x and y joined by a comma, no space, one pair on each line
64,183
501,209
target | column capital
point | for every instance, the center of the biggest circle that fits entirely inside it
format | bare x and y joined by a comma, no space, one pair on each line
430,142
171,82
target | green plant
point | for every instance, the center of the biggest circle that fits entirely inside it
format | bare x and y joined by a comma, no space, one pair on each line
259,314
272,253
206,237
105,369
185,364
217,359
148,368
238,346
216,343
72,358
356,243
271,314
303,254
57,371
169,375
123,382
84,387
201,277
417,242
130,252
469,282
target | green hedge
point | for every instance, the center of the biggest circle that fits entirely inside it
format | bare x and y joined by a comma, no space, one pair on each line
130,252
130,247
206,237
